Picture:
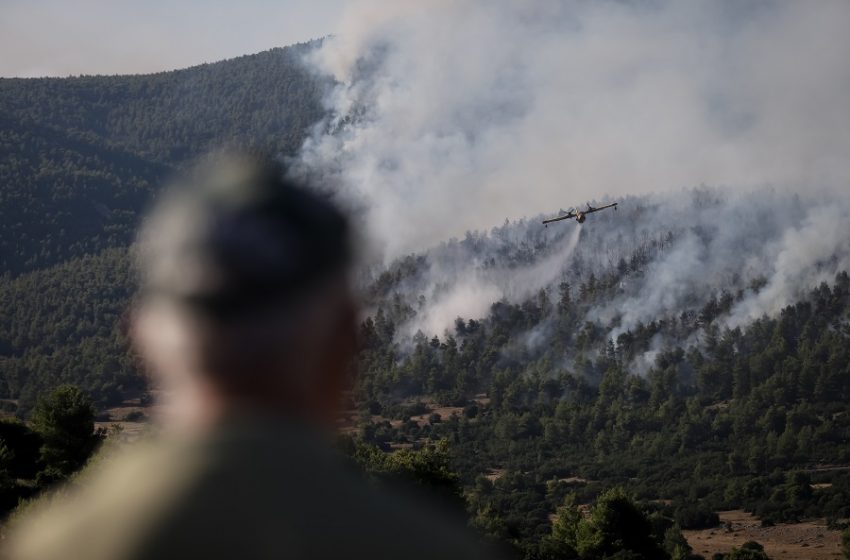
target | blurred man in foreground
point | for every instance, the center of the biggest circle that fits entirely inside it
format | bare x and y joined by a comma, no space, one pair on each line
247,321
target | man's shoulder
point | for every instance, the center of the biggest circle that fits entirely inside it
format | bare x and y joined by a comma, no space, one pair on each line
302,491
412,523
255,496
106,508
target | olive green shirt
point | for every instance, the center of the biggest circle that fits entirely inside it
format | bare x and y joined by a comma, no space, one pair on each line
245,490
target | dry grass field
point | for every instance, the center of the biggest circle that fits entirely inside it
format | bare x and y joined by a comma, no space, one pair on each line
806,540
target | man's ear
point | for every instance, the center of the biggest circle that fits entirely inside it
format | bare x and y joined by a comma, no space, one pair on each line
160,339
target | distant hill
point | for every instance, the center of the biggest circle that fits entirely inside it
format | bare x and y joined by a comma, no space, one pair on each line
66,324
79,157
80,160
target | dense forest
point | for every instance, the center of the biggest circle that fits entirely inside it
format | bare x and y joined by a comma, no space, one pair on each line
80,157
750,418
602,387
80,160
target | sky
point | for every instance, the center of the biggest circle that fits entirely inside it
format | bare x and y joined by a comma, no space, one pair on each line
71,37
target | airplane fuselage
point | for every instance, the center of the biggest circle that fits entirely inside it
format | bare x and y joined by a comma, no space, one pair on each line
580,217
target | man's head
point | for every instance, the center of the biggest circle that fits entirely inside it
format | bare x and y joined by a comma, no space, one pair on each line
245,299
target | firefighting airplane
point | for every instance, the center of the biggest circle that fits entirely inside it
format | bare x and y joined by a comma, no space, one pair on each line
579,215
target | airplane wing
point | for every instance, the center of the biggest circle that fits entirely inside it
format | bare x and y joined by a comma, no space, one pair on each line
567,216
591,209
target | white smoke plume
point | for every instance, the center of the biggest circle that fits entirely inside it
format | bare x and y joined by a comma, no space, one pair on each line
449,116
806,256
672,252
473,289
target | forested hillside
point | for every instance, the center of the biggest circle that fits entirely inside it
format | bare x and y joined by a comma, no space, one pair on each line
79,157
80,160
67,324
621,356
747,418
691,351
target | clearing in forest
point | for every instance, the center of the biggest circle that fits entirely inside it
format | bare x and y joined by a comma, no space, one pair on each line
809,539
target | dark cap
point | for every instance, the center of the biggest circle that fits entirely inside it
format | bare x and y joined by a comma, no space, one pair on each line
234,235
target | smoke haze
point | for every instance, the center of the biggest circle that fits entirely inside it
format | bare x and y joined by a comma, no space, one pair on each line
451,116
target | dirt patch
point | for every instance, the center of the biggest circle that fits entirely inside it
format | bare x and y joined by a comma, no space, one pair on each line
124,412
349,420
444,412
827,468
573,480
722,405
494,474
124,431
809,539
481,399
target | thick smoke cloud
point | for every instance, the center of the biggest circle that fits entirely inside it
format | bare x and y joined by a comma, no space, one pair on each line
666,254
467,286
805,256
451,116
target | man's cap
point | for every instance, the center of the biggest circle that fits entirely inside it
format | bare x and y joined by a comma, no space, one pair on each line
234,235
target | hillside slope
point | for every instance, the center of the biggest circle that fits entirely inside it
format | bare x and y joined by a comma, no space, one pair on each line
80,157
